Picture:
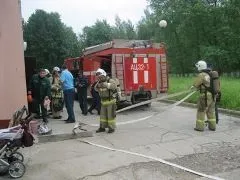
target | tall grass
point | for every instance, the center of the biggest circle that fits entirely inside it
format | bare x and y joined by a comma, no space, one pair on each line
230,88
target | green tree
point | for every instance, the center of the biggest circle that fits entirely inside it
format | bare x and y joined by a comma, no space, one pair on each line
123,29
100,32
197,29
119,29
49,40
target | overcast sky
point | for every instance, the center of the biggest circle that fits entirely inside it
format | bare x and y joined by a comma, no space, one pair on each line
80,13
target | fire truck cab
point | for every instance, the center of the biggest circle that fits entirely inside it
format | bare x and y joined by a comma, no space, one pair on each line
140,67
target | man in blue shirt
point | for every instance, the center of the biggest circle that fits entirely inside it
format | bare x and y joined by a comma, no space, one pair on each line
68,91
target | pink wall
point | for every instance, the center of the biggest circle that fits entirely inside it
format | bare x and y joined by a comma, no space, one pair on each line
12,68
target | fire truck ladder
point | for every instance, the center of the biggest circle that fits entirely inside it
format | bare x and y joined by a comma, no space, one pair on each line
119,71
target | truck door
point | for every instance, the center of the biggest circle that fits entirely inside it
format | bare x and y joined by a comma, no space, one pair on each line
140,71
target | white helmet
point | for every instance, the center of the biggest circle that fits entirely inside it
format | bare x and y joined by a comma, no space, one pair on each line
101,72
47,71
201,65
56,69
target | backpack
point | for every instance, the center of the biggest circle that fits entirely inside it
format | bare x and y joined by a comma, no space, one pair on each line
214,87
27,139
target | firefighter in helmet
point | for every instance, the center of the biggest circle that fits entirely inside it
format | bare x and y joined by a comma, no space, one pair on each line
106,88
206,101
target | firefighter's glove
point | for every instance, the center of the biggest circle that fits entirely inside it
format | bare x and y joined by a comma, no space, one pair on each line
102,78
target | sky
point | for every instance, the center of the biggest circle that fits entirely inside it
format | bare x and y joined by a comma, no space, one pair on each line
81,13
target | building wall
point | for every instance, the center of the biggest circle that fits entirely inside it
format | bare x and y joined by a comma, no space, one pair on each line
12,68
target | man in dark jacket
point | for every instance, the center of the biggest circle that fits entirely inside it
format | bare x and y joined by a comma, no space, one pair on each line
81,85
96,100
40,89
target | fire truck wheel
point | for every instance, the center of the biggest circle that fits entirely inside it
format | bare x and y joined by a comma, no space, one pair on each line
133,99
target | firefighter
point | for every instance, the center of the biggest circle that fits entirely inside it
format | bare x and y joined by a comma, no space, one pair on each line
206,101
40,89
106,88
57,94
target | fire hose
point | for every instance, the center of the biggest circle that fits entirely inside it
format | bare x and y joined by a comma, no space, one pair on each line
79,125
158,99
153,158
150,157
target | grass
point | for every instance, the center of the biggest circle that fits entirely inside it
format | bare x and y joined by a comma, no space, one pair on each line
230,88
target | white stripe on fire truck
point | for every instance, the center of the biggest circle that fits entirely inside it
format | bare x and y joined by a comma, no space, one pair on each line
145,72
145,60
88,73
135,73
135,77
134,60
145,76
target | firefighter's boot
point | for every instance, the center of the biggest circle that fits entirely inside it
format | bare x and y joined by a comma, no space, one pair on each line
200,124
111,130
212,124
100,130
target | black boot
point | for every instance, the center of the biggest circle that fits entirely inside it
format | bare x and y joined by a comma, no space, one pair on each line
100,130
111,130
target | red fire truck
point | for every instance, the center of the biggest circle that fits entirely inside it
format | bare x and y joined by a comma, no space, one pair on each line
139,65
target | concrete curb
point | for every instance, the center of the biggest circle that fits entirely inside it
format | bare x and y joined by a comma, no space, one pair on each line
191,105
62,137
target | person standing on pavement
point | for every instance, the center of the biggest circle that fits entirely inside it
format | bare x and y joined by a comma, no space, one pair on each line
40,89
206,101
82,85
96,100
106,88
68,91
48,75
57,94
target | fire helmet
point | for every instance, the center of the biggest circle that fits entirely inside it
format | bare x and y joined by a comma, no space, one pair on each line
56,69
201,65
47,71
101,72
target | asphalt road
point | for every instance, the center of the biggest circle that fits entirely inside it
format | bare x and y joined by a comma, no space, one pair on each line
158,131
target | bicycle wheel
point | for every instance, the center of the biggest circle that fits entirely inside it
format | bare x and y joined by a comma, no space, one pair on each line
16,156
3,167
16,169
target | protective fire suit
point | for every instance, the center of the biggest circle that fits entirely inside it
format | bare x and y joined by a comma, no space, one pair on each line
205,104
106,90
